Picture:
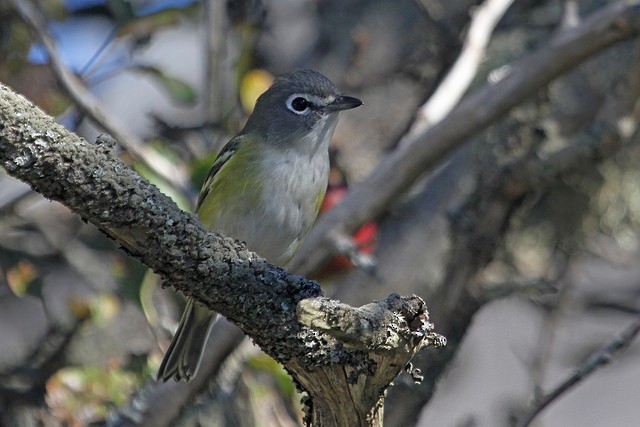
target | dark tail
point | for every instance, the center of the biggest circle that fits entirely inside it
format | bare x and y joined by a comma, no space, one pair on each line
182,359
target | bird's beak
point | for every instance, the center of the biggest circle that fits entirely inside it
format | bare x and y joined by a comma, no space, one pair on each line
343,103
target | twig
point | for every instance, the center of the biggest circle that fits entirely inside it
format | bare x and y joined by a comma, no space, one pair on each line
422,152
454,85
595,361
89,105
547,334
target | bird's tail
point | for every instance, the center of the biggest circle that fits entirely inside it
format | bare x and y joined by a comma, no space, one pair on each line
182,359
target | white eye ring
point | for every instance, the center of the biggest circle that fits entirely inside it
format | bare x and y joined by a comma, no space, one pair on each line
298,104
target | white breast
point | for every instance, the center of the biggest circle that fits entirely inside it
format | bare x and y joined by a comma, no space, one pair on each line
293,181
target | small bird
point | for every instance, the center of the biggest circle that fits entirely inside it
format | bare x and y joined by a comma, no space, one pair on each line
264,188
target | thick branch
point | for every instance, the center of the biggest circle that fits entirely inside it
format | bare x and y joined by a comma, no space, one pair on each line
214,270
389,331
421,152
368,327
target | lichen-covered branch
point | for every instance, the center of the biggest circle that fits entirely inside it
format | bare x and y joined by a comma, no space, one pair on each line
376,327
386,334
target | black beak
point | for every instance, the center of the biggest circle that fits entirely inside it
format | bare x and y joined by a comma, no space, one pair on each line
343,103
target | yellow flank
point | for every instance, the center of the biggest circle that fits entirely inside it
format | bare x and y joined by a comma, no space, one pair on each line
235,185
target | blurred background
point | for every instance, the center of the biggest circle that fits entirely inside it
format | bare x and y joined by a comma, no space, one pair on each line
524,289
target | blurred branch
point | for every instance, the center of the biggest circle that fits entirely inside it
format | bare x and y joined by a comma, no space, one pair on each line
420,153
90,106
27,382
159,404
478,227
547,333
598,359
529,288
215,12
345,387
11,191
455,84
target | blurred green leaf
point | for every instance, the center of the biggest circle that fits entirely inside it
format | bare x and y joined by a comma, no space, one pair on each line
177,89
264,363
104,307
144,27
81,395
122,10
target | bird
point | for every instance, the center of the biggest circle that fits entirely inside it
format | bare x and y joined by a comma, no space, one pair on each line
265,188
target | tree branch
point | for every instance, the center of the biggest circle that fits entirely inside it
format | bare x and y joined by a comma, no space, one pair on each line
214,270
480,223
597,360
419,153
454,85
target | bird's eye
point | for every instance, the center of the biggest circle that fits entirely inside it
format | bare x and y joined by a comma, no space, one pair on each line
298,105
